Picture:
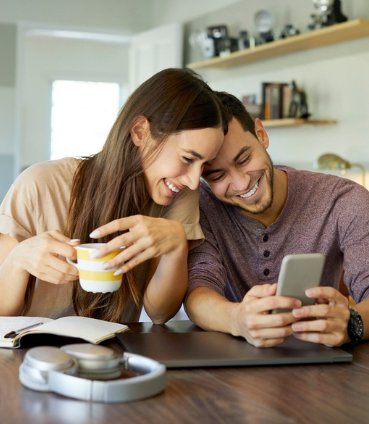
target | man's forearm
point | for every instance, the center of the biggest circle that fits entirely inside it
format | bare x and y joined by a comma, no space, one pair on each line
211,311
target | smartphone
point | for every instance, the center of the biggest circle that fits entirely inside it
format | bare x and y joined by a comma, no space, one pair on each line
299,273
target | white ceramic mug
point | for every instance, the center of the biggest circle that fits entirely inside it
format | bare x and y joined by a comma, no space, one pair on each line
91,275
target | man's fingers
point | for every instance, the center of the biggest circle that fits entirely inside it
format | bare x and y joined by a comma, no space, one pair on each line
262,290
332,295
267,304
270,320
322,311
328,339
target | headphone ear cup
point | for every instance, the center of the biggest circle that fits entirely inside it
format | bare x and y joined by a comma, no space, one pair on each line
39,361
95,362
33,378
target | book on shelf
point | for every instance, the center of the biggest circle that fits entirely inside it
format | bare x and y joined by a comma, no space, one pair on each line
14,330
249,101
276,98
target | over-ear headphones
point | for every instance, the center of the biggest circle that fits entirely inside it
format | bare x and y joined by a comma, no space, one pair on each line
79,370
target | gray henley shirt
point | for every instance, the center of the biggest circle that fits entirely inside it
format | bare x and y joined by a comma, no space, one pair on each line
323,214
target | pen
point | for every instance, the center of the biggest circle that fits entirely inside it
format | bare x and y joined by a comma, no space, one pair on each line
13,334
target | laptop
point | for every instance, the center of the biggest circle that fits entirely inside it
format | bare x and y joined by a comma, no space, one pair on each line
199,349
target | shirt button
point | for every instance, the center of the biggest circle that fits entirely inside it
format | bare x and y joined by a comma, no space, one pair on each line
266,253
265,238
266,272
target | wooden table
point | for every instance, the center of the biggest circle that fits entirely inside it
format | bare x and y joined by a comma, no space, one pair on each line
335,393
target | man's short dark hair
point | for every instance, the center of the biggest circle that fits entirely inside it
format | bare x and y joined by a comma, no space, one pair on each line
235,109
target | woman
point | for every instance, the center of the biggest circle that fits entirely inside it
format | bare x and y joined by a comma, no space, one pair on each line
148,169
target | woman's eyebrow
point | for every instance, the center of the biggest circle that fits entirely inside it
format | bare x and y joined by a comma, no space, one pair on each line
192,152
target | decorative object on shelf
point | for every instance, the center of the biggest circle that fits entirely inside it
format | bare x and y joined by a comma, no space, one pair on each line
223,44
298,105
243,40
200,39
289,31
336,16
332,161
264,22
329,13
249,101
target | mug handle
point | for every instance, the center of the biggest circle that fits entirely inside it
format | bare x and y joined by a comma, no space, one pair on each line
72,263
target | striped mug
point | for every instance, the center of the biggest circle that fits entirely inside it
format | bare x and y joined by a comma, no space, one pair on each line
91,275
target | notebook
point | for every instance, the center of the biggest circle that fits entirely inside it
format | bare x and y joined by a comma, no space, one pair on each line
198,349
15,330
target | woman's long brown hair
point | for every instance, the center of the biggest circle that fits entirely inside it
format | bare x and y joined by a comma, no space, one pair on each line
110,184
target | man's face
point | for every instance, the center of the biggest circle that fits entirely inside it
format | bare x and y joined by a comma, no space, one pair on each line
242,173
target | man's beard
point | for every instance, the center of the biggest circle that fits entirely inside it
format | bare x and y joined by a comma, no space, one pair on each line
263,207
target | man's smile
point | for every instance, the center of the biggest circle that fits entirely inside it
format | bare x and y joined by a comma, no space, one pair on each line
251,192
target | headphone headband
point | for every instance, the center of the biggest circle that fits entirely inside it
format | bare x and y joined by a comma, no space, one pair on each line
33,375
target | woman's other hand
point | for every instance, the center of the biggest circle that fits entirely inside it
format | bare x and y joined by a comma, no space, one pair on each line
145,239
39,256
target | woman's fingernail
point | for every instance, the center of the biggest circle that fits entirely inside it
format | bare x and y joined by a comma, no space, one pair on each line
95,254
74,240
106,266
95,234
118,272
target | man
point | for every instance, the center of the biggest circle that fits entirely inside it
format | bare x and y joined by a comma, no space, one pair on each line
252,215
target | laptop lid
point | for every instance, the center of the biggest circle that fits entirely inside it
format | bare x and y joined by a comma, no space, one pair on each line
213,349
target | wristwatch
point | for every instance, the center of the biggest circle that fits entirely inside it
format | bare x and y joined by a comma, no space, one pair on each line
355,328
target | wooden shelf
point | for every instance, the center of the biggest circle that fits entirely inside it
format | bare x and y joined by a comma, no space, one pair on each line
291,122
334,34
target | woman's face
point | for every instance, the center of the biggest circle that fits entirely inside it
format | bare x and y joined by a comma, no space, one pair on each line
181,162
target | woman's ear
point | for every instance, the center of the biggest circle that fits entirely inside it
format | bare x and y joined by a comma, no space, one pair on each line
140,130
261,133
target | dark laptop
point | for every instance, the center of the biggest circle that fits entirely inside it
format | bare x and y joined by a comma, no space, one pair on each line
199,348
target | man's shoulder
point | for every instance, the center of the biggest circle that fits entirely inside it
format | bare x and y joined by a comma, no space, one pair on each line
327,181
207,197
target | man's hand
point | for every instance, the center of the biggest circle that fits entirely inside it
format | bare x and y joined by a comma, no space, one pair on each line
331,313
253,321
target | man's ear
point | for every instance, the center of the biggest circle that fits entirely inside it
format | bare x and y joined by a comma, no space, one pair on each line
140,130
261,133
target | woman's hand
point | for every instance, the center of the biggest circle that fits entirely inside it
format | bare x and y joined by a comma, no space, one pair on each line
146,238
38,256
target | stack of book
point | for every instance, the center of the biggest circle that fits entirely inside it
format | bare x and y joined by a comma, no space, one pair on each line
275,100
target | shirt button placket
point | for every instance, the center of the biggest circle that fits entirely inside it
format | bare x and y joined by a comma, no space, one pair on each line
266,271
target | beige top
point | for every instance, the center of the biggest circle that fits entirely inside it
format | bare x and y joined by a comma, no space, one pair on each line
38,201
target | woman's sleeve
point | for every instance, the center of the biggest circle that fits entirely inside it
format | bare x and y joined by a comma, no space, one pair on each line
16,214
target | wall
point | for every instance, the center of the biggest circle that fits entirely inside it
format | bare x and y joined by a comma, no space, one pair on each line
46,59
127,16
334,77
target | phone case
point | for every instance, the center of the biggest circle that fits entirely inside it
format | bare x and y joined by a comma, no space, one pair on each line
298,273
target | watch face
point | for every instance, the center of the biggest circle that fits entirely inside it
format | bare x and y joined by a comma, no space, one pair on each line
358,326
355,327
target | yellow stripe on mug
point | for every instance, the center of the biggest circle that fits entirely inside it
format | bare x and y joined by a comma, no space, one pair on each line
85,256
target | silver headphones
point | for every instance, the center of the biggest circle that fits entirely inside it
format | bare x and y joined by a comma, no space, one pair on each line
78,371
